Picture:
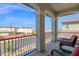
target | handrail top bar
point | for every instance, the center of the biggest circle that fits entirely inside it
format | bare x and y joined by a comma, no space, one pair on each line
1,39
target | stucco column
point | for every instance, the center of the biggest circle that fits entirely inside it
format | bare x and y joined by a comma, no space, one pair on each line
54,29
40,30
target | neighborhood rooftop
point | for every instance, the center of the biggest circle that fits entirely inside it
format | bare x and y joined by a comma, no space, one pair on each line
16,26
70,20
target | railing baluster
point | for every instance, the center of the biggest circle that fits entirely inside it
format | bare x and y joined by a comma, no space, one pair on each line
5,47
21,45
29,44
12,47
8,47
34,41
18,46
2,48
34,45
30,41
15,47
26,44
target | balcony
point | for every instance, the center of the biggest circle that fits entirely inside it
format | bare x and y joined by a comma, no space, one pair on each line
24,45
19,44
41,43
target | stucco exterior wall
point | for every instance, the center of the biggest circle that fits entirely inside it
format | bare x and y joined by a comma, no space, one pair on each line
71,26
64,27
6,29
16,29
25,30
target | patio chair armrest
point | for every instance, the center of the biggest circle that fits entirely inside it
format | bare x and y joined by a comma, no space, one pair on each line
65,40
69,43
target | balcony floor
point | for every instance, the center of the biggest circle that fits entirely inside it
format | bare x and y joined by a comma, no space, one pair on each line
49,46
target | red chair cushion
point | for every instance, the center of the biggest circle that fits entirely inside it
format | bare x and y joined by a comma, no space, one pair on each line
75,51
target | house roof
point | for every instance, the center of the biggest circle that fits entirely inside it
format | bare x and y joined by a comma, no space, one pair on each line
70,20
15,27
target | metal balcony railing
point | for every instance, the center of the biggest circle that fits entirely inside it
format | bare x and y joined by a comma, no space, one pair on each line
17,45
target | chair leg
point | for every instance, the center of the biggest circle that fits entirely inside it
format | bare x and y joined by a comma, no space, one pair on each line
52,52
60,45
57,53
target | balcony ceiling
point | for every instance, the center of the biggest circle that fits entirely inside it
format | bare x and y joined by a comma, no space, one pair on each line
57,8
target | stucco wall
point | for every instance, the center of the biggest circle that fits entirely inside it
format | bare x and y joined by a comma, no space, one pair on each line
19,29
72,26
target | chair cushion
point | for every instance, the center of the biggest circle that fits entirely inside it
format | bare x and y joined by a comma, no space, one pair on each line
75,51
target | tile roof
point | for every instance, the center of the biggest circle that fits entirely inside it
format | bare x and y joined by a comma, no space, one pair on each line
70,20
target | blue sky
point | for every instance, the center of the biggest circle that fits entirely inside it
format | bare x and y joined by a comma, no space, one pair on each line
17,14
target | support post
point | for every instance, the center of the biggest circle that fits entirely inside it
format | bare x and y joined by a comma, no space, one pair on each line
54,29
40,30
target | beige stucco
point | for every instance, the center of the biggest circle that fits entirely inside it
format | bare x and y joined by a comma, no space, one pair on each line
40,30
59,9
72,26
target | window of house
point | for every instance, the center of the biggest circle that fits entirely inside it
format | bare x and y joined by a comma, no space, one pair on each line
67,26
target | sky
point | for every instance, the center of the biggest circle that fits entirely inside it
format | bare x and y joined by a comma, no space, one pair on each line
16,14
